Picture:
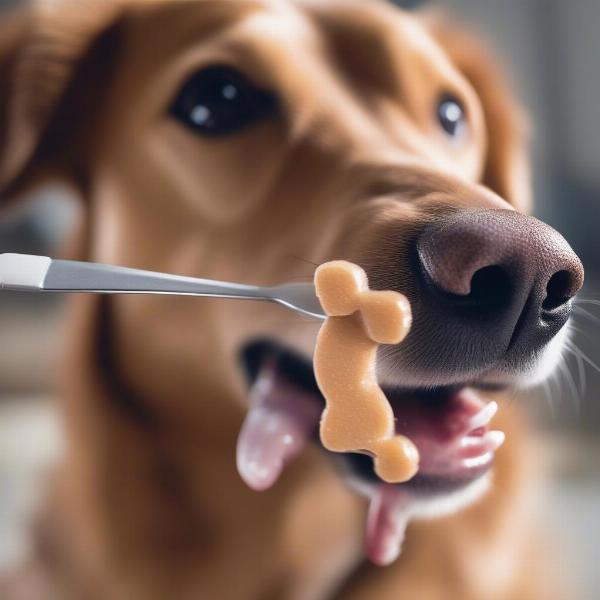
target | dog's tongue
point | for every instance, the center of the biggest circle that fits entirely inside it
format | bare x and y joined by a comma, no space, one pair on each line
281,419
389,513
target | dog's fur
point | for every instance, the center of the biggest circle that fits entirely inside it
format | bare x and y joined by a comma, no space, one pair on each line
147,502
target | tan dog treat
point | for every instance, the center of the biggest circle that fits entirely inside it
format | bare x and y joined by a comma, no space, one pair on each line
358,416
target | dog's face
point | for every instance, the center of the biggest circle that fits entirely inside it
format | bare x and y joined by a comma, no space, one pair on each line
262,138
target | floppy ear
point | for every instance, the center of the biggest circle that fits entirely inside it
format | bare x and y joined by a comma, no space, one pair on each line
507,169
45,95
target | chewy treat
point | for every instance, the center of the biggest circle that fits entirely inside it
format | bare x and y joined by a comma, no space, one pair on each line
358,416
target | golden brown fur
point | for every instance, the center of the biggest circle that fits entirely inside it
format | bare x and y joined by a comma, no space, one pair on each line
147,502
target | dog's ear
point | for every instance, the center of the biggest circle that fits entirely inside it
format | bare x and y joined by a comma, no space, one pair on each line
507,169
45,94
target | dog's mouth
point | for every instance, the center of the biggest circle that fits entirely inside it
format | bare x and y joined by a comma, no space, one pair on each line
450,425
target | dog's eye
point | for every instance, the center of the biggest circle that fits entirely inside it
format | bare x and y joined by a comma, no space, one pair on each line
451,116
219,100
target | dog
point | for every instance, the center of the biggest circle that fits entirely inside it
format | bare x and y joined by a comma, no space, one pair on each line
249,141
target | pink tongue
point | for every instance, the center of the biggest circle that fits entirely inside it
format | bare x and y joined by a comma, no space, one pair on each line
278,425
389,513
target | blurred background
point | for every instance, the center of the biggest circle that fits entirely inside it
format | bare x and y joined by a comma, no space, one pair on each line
550,50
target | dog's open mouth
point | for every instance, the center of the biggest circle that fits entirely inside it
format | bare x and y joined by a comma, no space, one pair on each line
450,426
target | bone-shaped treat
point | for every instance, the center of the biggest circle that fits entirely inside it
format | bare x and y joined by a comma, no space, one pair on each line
358,416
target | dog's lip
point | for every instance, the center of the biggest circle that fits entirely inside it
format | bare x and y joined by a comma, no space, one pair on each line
442,421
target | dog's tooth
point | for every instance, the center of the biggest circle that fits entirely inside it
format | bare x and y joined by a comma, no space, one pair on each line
470,441
484,416
477,461
495,438
491,440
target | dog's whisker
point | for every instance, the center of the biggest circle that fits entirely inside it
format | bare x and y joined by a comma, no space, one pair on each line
556,382
581,371
582,376
583,332
583,355
300,258
587,301
587,314
572,347
564,368
577,329
549,398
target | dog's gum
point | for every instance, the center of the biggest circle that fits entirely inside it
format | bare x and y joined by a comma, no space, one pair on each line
358,416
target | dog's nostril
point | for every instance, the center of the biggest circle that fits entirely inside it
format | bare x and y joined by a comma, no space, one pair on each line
557,291
490,287
494,282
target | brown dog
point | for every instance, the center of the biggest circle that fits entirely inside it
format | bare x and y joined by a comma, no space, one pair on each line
248,140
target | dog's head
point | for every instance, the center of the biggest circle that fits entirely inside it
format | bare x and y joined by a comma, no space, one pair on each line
250,140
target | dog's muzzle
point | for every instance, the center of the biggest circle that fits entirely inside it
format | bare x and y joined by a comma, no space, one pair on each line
489,289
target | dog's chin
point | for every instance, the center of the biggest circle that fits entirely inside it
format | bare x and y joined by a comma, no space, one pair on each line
449,424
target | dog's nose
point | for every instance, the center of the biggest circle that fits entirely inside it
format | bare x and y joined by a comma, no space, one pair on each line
502,268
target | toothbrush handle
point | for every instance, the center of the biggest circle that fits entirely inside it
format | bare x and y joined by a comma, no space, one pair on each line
24,272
